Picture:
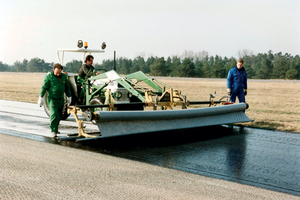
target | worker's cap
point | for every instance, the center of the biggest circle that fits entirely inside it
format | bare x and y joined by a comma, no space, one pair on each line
57,65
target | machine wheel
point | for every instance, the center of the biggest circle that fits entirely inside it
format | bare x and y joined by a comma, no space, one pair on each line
65,114
96,101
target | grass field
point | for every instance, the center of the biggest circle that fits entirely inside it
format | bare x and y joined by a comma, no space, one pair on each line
273,104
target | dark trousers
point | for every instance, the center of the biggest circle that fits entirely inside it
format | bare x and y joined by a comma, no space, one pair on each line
240,94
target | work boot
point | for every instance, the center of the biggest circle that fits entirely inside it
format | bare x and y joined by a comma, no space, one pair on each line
54,134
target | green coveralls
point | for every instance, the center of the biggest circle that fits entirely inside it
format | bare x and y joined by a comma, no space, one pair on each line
55,98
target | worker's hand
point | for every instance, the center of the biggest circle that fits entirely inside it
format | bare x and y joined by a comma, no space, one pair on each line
41,101
245,91
228,91
69,100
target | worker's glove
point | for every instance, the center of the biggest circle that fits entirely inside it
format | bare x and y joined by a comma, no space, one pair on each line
41,101
245,91
228,91
69,100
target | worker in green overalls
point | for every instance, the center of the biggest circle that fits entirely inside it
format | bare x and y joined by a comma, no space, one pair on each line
57,84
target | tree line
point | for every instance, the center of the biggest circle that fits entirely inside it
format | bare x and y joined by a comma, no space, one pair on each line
190,64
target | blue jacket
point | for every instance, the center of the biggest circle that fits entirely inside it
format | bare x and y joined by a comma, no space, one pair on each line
237,79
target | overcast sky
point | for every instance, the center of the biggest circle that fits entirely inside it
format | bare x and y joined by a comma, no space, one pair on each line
31,28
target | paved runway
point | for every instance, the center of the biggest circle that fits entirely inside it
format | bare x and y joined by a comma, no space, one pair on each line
30,118
35,170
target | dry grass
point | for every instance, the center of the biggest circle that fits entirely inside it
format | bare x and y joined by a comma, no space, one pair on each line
273,105
24,87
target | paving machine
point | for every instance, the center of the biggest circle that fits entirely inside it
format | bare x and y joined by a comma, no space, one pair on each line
136,103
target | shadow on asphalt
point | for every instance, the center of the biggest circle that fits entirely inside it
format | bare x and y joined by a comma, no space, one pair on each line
152,140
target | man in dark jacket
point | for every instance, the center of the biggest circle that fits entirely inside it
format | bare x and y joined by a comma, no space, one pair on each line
86,70
237,82
56,84
86,67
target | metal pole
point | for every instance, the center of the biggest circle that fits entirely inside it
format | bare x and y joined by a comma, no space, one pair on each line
115,61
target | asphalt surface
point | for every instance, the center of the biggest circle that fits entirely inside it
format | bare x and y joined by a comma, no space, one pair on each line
158,167
37,170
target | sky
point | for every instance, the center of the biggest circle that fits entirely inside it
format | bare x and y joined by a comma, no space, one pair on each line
162,28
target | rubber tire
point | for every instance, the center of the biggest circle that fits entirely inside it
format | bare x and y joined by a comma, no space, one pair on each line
47,109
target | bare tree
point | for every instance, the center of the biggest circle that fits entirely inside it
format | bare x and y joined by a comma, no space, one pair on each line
202,55
245,52
194,56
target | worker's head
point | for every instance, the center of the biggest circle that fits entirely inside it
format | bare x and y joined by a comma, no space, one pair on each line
239,63
57,68
89,60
